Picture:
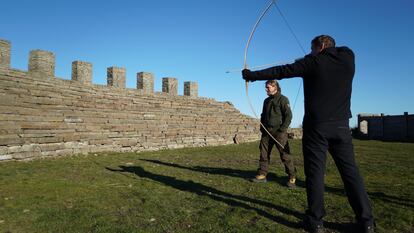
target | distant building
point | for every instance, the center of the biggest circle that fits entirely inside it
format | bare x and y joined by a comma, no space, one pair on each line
386,127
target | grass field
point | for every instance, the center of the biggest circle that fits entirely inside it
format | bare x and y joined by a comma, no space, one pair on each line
195,190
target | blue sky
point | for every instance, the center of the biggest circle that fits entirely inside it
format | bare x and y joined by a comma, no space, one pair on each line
200,40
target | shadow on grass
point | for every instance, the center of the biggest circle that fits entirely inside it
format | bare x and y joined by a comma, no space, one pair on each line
209,170
217,195
378,196
237,173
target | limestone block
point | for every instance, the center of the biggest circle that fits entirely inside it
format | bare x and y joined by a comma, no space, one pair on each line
116,77
170,86
145,82
191,89
82,72
42,64
5,54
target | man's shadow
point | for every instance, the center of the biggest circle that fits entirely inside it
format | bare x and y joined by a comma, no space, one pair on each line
381,196
340,191
272,177
208,170
236,173
217,195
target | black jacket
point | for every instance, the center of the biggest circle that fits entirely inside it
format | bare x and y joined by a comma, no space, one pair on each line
327,79
276,114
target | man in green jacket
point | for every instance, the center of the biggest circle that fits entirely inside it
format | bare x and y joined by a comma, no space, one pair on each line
276,117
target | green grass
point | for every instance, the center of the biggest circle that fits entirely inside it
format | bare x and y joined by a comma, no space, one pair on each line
195,190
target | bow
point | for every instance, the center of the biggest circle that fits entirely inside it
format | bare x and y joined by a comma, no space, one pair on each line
245,67
272,2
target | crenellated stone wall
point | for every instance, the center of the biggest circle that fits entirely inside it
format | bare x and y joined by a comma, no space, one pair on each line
42,115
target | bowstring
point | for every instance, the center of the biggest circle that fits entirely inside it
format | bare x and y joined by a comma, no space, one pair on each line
300,45
245,67
273,2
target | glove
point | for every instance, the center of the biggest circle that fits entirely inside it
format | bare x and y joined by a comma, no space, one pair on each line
248,75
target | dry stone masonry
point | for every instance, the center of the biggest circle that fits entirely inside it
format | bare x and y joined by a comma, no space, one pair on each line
42,64
191,89
82,72
170,85
116,77
4,54
145,82
42,115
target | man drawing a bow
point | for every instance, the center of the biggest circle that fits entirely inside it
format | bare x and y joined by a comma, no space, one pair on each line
327,76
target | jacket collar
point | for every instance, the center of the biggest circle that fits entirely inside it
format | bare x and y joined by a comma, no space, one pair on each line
275,96
330,50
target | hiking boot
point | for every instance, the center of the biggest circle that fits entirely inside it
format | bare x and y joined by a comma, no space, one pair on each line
291,182
259,178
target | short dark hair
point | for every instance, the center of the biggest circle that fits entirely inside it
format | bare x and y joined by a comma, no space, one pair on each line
328,41
275,84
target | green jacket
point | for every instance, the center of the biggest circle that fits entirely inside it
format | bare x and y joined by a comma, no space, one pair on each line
276,114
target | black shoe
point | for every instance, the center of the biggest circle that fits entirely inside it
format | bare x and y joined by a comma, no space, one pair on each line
317,229
369,229
366,227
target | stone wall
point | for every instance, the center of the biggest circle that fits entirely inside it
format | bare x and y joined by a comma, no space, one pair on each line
42,115
295,133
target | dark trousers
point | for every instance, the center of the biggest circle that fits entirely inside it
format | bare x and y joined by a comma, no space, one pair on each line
335,137
266,145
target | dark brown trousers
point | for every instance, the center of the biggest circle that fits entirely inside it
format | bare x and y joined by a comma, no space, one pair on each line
266,146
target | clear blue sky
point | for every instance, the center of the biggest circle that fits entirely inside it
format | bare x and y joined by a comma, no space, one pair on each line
200,40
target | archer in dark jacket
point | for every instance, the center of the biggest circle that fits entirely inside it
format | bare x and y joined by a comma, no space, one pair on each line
276,117
327,76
